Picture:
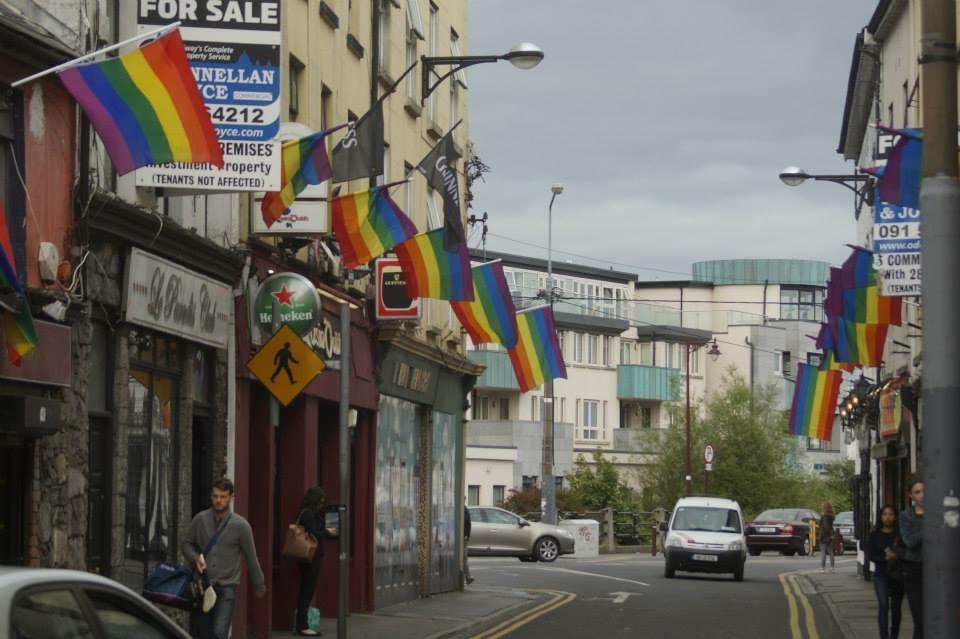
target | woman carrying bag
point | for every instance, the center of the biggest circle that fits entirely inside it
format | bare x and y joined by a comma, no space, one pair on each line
887,572
826,536
311,519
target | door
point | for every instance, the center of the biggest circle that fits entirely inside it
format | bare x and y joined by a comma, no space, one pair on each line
14,480
506,534
444,507
98,504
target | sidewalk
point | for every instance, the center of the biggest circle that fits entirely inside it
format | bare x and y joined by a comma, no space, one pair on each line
456,614
853,604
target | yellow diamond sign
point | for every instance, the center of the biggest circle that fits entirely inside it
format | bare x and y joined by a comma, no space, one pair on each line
285,365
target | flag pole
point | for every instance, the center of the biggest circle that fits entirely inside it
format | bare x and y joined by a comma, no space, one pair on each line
90,56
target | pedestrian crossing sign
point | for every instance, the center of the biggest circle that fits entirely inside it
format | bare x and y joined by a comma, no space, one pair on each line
285,365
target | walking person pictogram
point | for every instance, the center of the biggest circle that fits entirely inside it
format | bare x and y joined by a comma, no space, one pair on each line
282,361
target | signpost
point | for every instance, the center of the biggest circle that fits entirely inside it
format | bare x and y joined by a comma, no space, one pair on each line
708,456
285,365
896,249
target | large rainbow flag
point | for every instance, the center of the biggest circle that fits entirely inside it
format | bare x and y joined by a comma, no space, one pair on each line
491,317
537,355
146,106
368,224
431,271
815,402
898,182
304,162
859,343
18,331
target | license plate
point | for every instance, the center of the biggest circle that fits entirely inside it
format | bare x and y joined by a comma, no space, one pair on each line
705,558
767,529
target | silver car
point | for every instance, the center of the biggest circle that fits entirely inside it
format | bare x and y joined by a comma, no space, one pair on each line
52,604
499,532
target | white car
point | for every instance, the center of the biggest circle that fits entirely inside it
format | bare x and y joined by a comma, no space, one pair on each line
705,534
36,603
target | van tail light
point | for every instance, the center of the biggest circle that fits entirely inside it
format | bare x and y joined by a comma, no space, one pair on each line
788,528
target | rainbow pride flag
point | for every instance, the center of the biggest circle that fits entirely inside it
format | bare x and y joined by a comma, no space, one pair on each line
537,355
491,317
827,343
431,271
859,343
859,299
368,224
815,402
304,162
899,181
146,106
18,330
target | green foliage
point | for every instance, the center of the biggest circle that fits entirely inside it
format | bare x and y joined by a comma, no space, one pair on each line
527,500
599,486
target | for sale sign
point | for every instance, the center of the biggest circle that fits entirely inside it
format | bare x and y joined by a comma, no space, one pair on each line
896,249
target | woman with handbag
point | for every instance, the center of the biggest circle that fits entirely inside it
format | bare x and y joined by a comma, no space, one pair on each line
311,519
887,572
911,535
825,537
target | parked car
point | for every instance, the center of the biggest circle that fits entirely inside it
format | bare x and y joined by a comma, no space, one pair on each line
56,604
499,532
844,525
705,534
786,530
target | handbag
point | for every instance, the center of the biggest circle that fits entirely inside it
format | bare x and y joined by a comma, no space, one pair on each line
299,544
178,586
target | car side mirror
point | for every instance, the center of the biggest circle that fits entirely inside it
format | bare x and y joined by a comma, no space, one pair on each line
523,523
663,526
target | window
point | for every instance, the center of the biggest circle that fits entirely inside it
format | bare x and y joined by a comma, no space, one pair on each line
493,516
562,339
483,408
504,408
536,408
296,76
384,176
646,417
49,614
778,363
414,21
529,481
498,495
563,410
668,352
383,38
605,351
695,362
578,347
593,346
433,216
408,170
120,618
409,58
11,157
590,424
624,352
803,303
646,354
432,47
473,495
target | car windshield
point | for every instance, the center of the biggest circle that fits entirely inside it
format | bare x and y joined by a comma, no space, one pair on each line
780,514
701,518
845,518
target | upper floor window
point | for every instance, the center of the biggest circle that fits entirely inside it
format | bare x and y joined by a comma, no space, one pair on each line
801,303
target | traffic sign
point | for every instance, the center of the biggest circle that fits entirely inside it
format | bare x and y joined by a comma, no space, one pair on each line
708,454
285,365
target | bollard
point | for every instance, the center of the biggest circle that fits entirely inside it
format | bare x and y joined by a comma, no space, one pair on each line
654,534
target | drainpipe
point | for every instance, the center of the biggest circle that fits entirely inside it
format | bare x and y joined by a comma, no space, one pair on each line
765,284
375,61
752,374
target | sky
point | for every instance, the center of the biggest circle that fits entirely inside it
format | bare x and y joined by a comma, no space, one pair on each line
667,123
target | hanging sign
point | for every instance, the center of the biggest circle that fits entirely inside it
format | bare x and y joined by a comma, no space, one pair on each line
896,249
392,300
297,300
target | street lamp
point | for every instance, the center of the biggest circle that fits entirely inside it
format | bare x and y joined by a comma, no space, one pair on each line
549,486
523,56
714,353
795,176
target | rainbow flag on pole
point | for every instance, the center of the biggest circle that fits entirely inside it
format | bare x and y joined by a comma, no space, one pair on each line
491,317
146,106
368,224
304,162
537,355
815,402
18,331
431,271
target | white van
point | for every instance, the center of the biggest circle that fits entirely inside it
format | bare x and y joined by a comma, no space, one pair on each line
705,534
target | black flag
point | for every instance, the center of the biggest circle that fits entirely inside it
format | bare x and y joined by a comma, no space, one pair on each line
360,153
439,167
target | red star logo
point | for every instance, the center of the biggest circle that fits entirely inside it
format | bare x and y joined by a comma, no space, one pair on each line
284,297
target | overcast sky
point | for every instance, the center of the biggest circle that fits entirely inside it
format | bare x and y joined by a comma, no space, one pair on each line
667,122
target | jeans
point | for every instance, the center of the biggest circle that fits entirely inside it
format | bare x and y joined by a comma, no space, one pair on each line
826,548
308,585
913,584
466,563
216,623
890,601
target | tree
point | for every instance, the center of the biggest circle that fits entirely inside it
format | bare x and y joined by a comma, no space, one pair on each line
527,500
600,486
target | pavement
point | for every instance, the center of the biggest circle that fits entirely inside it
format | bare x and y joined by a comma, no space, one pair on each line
852,603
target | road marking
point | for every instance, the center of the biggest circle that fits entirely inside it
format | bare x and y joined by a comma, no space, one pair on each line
807,608
620,597
793,592
792,603
593,574
558,598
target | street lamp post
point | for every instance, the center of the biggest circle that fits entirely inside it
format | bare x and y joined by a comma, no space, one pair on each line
714,353
523,56
861,184
549,485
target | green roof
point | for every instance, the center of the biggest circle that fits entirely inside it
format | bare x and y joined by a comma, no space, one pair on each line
720,272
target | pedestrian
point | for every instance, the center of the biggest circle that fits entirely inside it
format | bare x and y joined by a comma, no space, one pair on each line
311,518
825,536
911,536
887,580
466,544
222,565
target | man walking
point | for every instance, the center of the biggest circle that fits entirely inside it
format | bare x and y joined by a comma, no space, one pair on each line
214,543
466,543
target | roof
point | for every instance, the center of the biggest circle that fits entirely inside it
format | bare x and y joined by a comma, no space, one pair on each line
669,333
25,39
591,323
710,502
762,271
562,268
673,284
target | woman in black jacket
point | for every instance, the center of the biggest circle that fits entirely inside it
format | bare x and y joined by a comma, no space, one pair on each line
311,518
881,549
911,535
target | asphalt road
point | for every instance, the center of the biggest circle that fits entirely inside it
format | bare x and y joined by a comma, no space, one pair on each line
628,596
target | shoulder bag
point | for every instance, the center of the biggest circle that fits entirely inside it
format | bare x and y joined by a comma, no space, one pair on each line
299,544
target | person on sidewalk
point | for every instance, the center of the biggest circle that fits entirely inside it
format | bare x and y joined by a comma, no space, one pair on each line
825,536
881,550
223,566
466,542
911,535
311,518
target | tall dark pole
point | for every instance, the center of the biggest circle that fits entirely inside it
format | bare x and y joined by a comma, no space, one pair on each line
689,478
343,435
940,224
548,485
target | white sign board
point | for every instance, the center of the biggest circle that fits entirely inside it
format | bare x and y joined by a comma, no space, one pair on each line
234,52
170,298
708,454
896,249
308,214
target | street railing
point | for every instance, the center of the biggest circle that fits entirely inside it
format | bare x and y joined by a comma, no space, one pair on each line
619,530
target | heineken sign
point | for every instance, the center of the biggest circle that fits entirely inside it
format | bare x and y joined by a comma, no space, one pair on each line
297,301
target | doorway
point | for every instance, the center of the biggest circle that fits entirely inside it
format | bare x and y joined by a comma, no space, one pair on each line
15,476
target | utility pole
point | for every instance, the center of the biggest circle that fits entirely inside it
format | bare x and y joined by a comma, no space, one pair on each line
548,491
940,223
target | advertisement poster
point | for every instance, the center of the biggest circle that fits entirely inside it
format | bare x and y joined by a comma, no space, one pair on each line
234,52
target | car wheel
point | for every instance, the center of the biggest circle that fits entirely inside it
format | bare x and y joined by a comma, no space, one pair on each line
754,552
738,573
668,570
546,549
526,558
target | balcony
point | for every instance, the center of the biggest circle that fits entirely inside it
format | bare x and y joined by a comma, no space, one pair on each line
499,373
651,383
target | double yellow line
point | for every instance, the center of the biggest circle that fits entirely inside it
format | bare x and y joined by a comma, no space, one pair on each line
557,599
794,594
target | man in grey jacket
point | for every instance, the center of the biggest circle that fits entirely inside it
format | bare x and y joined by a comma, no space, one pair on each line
222,563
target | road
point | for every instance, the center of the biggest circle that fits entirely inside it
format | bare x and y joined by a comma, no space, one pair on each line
628,596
